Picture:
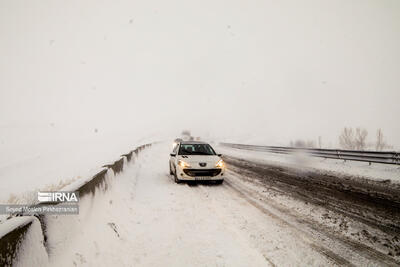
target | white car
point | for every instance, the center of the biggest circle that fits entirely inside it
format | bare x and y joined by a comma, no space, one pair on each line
196,161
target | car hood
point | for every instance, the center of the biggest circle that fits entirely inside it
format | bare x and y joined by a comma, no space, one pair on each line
194,160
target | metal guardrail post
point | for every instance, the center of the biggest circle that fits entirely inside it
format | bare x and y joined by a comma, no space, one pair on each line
396,158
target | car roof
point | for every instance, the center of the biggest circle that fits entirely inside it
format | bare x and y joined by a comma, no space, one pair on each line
192,142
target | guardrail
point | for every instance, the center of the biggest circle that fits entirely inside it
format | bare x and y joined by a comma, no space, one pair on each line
352,155
13,230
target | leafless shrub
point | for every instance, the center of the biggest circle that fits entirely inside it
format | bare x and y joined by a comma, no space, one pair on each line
361,139
347,139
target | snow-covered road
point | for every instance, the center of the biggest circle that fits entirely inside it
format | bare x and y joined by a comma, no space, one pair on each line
145,219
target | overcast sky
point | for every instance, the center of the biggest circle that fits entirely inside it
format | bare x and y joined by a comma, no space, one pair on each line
272,70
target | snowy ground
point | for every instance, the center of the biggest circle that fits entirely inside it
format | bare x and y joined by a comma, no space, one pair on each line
303,162
145,219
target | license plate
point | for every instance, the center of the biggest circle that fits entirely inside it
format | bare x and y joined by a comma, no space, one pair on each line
201,178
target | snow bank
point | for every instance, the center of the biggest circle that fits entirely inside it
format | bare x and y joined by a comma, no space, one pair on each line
25,237
32,251
75,240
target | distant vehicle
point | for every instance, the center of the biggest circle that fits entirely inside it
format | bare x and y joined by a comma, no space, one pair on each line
196,161
186,135
186,132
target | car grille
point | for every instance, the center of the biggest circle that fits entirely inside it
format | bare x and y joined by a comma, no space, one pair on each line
202,172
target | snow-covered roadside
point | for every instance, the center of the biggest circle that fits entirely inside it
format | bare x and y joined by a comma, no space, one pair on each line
32,249
303,162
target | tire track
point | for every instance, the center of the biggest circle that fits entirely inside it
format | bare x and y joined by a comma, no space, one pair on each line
204,192
372,205
313,231
244,194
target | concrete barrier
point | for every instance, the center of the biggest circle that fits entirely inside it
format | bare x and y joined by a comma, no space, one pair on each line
13,230
11,237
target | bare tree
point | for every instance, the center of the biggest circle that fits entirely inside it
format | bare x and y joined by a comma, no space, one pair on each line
380,142
346,138
360,139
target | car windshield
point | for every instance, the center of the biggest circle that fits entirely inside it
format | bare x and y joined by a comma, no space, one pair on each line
196,149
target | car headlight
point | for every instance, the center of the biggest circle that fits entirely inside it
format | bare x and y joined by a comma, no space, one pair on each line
220,164
183,164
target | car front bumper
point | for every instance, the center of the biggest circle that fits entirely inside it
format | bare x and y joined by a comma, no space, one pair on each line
188,174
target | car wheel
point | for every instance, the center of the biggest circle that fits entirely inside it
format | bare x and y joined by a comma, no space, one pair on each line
219,181
170,170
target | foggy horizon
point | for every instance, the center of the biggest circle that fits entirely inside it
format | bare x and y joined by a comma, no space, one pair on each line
268,72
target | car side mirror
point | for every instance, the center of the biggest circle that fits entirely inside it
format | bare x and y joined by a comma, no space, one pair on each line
172,155
219,155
